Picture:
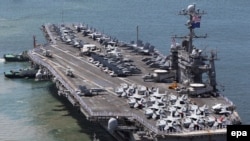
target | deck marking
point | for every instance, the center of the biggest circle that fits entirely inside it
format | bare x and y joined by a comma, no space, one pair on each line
122,79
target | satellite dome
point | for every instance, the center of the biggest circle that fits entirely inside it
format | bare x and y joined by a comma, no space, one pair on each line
191,8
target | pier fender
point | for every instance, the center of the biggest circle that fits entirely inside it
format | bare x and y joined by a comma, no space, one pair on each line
112,124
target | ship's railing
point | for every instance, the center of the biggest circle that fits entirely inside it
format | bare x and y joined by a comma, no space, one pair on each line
229,101
83,105
145,123
39,61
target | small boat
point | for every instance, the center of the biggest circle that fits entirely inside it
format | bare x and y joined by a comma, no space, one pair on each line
22,73
16,57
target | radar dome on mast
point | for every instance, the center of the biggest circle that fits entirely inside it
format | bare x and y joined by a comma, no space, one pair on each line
191,9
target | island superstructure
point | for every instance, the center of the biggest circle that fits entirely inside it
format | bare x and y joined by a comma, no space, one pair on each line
132,89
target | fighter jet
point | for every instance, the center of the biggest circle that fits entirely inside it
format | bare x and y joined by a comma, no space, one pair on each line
84,91
187,122
221,109
97,90
173,123
121,89
136,102
154,111
75,43
95,35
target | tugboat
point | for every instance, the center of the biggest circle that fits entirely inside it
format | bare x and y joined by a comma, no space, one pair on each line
22,57
21,73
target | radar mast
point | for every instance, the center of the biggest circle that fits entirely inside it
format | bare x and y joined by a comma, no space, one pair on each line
193,22
189,62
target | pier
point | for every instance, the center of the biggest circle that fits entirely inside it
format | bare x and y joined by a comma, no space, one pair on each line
104,105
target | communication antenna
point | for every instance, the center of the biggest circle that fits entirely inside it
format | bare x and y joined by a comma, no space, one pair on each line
62,13
34,41
193,22
137,35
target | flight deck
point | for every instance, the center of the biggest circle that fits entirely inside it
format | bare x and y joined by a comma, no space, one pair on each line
106,104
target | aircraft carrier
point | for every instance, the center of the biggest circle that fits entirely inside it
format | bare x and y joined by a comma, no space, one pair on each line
133,90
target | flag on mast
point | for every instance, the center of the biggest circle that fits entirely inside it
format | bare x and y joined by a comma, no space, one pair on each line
196,21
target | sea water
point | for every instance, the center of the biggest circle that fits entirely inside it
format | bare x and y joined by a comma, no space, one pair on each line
31,110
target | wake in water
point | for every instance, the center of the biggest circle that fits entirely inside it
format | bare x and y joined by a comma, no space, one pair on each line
2,60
